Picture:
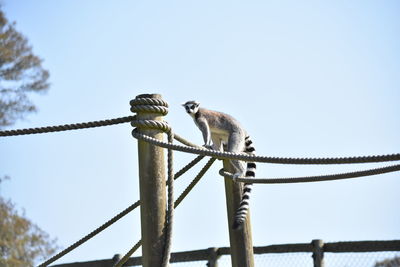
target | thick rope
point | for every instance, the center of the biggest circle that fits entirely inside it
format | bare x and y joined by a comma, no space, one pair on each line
184,141
188,167
147,104
195,181
176,204
170,206
277,160
319,178
66,127
92,234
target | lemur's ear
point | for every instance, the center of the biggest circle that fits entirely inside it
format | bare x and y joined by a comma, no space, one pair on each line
183,104
197,103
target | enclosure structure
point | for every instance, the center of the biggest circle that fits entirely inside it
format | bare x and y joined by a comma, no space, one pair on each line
157,207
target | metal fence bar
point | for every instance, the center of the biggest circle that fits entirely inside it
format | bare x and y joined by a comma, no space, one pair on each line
284,248
362,246
213,257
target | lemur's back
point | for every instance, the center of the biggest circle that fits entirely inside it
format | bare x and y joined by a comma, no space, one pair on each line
219,121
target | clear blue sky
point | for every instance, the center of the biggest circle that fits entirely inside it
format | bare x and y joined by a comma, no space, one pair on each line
305,78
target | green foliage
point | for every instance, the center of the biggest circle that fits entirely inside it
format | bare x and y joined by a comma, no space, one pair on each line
21,242
20,73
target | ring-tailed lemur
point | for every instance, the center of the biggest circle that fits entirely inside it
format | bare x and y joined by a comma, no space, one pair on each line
221,131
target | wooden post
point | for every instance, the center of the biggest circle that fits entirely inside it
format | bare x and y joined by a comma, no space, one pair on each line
116,258
212,257
240,240
318,253
152,191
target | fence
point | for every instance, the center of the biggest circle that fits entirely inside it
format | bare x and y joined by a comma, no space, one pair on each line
157,210
317,253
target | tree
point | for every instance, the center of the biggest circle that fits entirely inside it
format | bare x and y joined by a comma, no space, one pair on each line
395,262
22,243
20,74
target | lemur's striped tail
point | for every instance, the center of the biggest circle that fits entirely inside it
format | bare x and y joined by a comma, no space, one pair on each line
242,211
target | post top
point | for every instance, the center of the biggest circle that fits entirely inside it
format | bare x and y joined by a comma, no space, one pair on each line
149,103
149,96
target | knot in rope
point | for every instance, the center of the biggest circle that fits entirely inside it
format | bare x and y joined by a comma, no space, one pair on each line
147,104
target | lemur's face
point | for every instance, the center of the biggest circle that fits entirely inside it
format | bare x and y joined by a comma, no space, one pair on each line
191,107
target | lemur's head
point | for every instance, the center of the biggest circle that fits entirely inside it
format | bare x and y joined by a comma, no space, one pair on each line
191,107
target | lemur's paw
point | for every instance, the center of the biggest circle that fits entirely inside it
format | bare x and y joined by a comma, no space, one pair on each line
235,177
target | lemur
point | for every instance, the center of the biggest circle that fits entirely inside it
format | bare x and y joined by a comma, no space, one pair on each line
222,132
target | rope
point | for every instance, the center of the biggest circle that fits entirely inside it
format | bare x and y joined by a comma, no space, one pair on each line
66,127
92,234
176,204
184,141
277,160
188,167
194,182
150,105
319,178
170,205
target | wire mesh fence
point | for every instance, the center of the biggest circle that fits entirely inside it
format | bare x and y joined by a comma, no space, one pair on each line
359,259
303,259
190,264
339,254
364,259
274,260
185,264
